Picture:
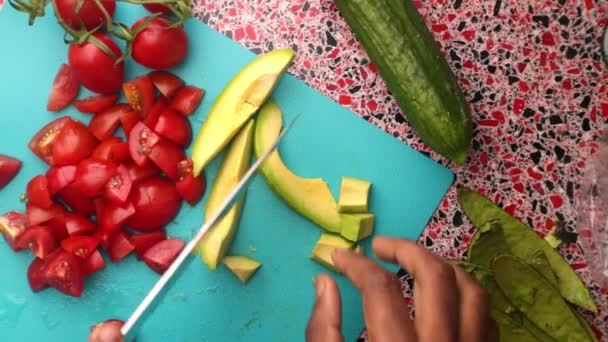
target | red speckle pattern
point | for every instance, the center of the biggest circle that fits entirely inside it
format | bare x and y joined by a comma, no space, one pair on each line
531,70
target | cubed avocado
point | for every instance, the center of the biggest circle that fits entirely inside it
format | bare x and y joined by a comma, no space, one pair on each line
243,267
354,194
357,227
325,247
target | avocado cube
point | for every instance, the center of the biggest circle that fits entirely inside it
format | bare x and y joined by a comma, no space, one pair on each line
325,247
354,194
357,227
243,267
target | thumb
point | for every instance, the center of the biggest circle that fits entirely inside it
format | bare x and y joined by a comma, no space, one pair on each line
325,324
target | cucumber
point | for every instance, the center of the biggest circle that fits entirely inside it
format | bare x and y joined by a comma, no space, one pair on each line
395,37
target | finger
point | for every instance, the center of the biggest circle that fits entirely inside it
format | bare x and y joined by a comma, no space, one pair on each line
475,322
435,292
325,322
386,315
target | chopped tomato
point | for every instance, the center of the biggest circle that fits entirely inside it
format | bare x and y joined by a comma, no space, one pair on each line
152,116
63,272
166,83
103,124
156,202
160,256
190,188
95,104
12,224
167,155
141,141
120,246
35,275
58,177
42,143
107,331
98,204
141,172
112,149
73,144
37,192
119,186
37,215
114,216
92,175
174,127
76,199
64,90
81,246
128,120
142,242
93,263
39,239
9,167
77,224
140,93
187,99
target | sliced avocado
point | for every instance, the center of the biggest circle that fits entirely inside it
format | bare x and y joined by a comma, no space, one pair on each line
354,194
309,197
237,103
243,267
214,244
357,227
325,247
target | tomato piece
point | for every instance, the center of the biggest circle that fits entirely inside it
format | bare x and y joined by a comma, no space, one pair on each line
94,263
128,120
190,188
39,239
107,331
37,215
9,167
167,155
119,186
77,224
159,46
140,94
166,83
103,124
81,246
156,202
142,242
141,141
114,216
58,177
12,225
120,246
37,192
112,149
137,173
73,144
76,199
95,104
187,99
64,89
64,273
174,127
35,275
151,117
92,175
88,15
157,8
160,256
42,143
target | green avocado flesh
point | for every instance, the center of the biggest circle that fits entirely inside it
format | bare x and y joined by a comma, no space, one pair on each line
215,243
354,195
237,103
243,267
325,247
357,227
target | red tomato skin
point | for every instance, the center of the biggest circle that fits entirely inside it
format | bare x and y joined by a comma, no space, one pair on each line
58,177
35,275
37,215
9,167
114,216
77,224
140,94
167,155
42,142
96,70
103,124
158,47
174,127
160,256
95,104
64,89
73,144
151,117
37,192
89,13
137,173
12,225
187,99
119,186
81,246
141,141
39,239
64,273
166,83
142,242
157,8
128,120
77,200
112,149
156,202
94,263
92,175
120,246
191,188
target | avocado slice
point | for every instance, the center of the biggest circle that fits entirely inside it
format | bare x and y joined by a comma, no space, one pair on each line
216,241
325,248
354,194
308,196
357,227
243,267
237,103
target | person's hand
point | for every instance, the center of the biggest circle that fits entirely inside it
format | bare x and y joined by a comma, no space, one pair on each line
450,306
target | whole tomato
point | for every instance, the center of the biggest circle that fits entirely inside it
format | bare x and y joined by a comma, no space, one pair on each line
159,47
89,13
95,69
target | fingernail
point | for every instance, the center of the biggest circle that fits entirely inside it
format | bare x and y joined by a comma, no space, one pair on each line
320,287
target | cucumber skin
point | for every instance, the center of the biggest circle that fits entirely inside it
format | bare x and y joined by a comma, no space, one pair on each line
398,42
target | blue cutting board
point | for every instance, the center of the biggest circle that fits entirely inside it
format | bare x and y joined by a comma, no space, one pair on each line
328,141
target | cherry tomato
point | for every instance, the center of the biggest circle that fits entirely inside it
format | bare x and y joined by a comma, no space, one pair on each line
107,331
167,155
92,175
93,263
128,120
9,167
142,242
42,143
58,177
140,94
95,104
73,144
37,192
35,275
190,188
160,256
64,90
39,239
114,216
37,215
103,124
187,99
95,69
159,47
120,246
81,246
166,83
141,141
156,202
152,116
12,224
89,13
63,272
174,127
76,199
98,203
119,186
137,173
112,149
77,224
158,8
